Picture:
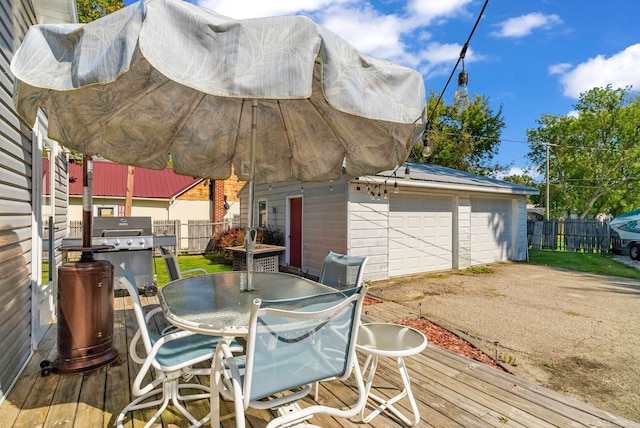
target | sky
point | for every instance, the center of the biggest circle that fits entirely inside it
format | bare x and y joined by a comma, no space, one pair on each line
531,57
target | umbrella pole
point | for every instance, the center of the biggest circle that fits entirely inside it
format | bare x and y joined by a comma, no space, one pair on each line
250,238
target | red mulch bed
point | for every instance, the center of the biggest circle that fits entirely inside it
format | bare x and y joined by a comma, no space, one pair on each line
444,338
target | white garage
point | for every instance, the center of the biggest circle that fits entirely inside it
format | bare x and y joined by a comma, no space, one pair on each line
420,234
428,219
491,230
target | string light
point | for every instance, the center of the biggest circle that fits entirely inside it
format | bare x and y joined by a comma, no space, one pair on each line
461,95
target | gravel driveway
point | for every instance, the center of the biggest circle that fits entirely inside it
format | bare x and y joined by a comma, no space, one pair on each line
576,333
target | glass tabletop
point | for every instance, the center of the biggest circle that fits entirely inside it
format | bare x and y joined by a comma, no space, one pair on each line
215,304
391,340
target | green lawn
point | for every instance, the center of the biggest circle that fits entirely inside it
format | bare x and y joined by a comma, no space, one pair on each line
600,264
211,263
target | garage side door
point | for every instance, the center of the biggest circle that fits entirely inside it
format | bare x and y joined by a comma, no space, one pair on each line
420,234
490,230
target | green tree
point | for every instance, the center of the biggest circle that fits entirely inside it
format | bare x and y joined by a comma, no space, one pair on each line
90,10
594,161
527,180
463,138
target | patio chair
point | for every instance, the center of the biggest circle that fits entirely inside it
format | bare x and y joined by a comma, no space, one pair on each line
341,271
291,345
173,268
173,356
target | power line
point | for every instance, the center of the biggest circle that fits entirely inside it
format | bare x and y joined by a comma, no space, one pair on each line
463,53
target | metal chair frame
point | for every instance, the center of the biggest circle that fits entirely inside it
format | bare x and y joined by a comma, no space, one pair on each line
287,351
172,356
173,268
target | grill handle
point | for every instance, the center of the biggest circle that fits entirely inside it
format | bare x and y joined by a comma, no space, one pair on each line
122,232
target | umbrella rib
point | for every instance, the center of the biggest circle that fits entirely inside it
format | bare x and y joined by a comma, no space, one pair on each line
185,118
135,100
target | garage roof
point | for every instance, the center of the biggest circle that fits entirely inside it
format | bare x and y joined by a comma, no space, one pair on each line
435,176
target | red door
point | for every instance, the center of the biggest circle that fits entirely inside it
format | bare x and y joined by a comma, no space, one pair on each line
295,232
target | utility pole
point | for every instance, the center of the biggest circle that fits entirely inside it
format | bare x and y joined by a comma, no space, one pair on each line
128,198
547,201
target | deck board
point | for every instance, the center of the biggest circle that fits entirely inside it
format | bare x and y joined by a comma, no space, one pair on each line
451,391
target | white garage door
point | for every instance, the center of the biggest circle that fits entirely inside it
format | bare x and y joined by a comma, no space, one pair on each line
491,224
420,234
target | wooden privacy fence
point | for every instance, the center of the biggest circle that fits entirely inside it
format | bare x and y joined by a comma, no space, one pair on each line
569,235
191,237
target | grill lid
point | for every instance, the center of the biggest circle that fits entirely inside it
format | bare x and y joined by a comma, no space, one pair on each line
121,226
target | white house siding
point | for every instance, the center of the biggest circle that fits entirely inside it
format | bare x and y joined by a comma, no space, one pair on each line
420,229
61,202
323,217
492,227
521,225
420,233
368,232
462,257
324,220
158,209
15,207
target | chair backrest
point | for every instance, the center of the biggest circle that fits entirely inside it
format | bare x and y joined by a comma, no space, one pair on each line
295,342
128,281
341,271
171,263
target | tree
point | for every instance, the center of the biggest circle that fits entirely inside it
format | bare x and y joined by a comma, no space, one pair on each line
463,138
90,10
527,180
595,155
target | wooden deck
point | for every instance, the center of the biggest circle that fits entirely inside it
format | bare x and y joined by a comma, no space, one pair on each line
452,391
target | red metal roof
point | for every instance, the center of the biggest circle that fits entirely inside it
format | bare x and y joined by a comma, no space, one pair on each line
110,179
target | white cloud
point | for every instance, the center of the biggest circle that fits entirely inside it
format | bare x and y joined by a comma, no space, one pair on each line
524,25
258,8
573,113
559,68
436,53
516,170
428,11
368,29
619,70
371,32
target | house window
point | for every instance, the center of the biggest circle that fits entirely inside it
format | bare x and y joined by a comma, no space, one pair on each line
262,214
106,211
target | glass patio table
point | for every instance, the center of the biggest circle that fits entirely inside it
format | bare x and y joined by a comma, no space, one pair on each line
214,303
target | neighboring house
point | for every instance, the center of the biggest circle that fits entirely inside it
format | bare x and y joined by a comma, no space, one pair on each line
27,300
159,194
434,219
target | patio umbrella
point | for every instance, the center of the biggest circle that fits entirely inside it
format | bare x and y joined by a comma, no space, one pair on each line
280,98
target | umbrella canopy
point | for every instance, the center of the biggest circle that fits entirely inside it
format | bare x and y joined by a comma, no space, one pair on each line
165,77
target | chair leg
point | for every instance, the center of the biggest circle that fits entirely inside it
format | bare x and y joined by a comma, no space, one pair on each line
170,392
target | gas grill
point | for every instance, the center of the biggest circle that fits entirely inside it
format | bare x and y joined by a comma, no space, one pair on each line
130,241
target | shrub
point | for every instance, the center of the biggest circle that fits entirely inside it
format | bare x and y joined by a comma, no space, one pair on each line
234,237
270,235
